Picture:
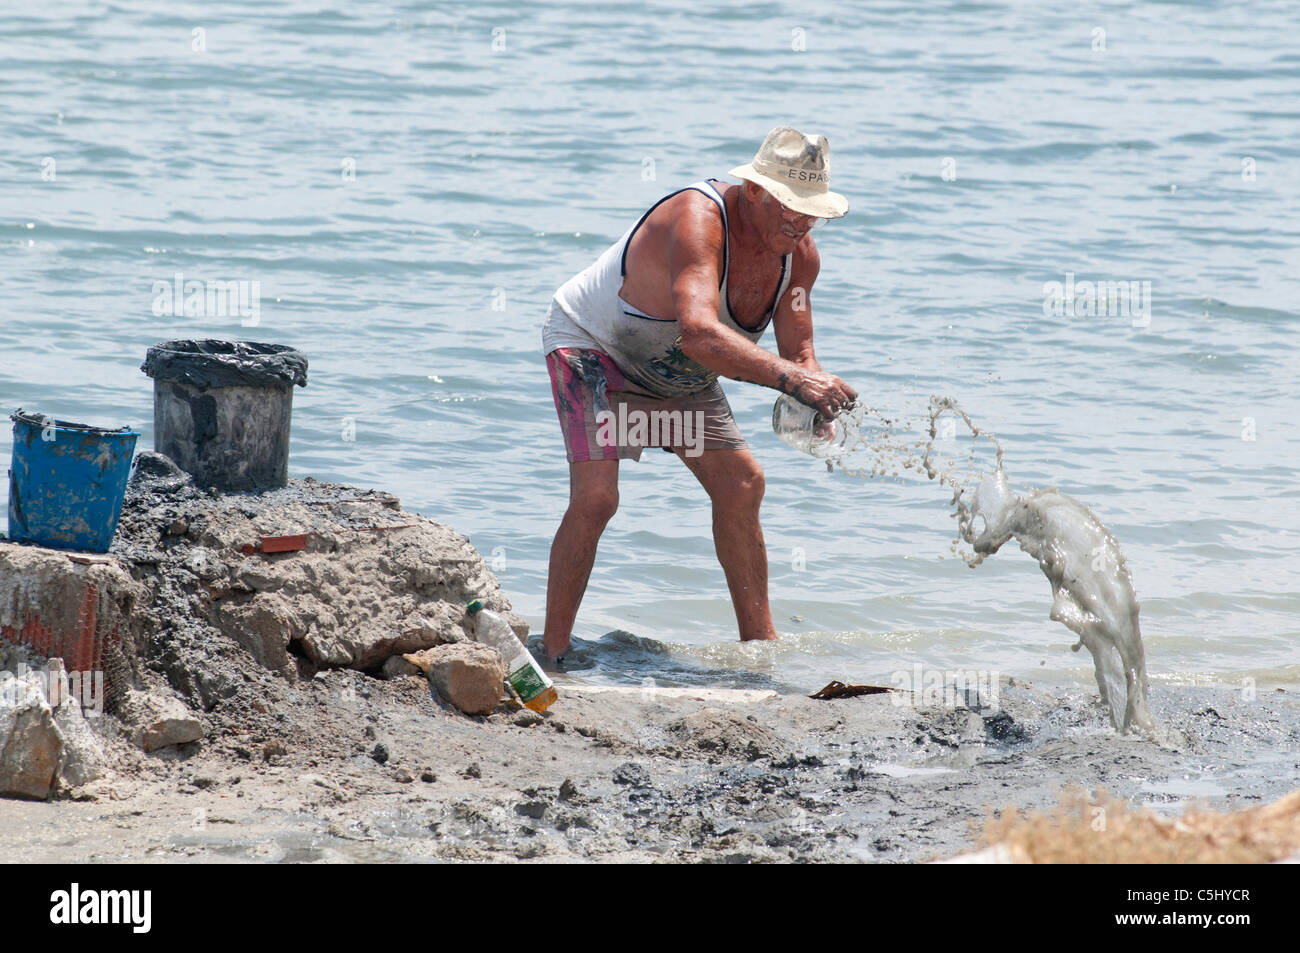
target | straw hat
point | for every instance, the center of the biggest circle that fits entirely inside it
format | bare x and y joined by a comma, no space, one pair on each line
796,169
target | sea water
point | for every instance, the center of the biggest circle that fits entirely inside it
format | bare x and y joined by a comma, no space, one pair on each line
404,188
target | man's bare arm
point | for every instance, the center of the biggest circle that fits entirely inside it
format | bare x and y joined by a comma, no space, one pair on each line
695,248
793,323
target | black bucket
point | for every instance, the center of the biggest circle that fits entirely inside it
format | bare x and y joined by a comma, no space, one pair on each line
222,409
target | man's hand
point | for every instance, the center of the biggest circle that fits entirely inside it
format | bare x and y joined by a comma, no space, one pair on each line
824,392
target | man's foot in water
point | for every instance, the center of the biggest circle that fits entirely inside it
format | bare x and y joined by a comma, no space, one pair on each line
574,656
555,649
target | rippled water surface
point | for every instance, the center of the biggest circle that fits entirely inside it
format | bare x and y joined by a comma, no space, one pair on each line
409,185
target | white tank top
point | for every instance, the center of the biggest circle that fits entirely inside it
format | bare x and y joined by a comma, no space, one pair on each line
647,349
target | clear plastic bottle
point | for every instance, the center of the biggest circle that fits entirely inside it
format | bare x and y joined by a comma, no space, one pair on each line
522,671
803,428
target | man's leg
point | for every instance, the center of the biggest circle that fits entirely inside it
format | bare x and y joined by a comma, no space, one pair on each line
734,481
593,499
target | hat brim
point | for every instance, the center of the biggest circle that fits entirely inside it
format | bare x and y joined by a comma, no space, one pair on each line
826,204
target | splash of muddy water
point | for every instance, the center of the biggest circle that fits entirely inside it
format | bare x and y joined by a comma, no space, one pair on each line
1092,589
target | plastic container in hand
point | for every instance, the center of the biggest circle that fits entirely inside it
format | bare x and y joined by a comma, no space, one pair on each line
535,690
803,428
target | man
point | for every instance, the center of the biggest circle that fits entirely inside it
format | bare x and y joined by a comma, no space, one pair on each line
642,335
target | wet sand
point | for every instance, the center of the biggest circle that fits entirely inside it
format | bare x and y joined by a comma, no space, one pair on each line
346,767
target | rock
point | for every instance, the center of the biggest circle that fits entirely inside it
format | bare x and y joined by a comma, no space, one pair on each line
325,649
468,675
274,748
31,744
83,758
264,625
255,575
380,753
398,666
632,774
533,809
569,790
420,630
403,776
157,721
428,777
527,718
518,625
204,563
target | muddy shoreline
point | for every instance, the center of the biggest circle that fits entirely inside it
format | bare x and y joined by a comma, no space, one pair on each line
345,767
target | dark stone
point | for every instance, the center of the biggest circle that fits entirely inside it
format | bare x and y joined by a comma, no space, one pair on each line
533,809
632,774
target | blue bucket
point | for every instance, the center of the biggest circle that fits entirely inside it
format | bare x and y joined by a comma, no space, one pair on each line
67,482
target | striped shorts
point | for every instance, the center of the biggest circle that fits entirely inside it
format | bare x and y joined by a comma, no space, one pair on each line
603,418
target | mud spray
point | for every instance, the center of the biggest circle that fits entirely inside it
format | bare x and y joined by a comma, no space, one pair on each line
1092,589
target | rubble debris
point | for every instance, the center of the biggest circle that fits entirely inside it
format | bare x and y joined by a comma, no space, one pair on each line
400,666
32,742
46,741
349,598
154,720
70,606
83,759
468,675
